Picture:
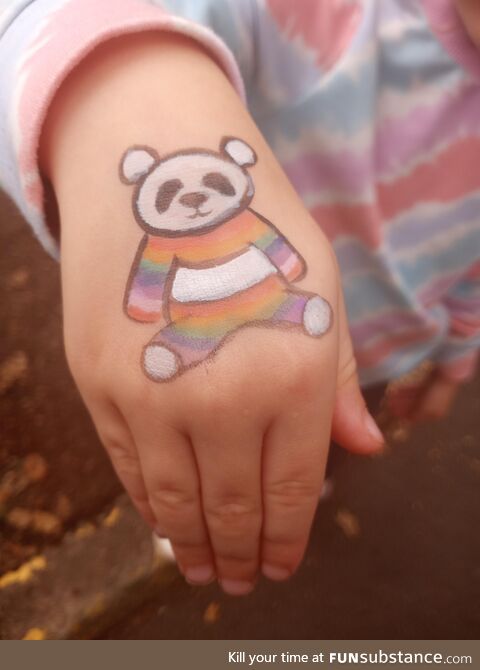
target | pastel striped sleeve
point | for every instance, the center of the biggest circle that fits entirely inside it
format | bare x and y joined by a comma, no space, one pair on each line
459,353
266,237
144,296
41,42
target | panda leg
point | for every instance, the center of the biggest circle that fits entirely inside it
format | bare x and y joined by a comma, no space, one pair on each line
175,348
308,310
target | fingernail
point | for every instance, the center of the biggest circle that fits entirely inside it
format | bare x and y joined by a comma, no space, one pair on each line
200,574
275,572
236,587
373,429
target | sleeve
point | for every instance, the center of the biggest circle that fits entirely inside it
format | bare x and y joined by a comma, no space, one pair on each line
146,286
41,42
458,356
278,249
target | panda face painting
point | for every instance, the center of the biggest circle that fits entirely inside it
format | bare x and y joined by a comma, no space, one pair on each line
208,264
179,195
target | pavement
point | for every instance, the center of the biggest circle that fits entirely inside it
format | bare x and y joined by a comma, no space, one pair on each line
394,552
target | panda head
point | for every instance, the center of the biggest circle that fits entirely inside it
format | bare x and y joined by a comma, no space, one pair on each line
189,191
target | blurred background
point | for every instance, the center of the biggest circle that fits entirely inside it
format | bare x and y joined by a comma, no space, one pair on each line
394,554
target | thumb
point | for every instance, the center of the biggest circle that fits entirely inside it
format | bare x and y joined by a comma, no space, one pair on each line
353,427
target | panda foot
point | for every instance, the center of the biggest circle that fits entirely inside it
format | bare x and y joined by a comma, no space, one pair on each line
317,316
159,362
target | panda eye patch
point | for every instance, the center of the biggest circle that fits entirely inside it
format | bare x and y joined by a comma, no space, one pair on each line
219,183
166,193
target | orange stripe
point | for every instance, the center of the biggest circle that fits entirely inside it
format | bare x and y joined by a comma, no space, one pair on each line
140,315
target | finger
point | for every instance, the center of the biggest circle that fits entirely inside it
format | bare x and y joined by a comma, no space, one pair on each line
229,462
294,459
117,439
171,480
353,427
437,399
401,401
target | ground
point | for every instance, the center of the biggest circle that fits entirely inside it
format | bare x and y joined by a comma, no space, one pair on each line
394,551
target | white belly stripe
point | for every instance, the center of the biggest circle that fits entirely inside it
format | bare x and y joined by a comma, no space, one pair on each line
222,281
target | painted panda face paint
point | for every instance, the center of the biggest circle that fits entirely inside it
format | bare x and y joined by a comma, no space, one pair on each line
191,192
208,264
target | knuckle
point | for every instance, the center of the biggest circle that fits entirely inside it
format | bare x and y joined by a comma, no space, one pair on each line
170,498
230,516
304,381
292,492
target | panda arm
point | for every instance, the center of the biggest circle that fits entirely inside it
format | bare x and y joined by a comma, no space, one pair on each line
280,252
145,293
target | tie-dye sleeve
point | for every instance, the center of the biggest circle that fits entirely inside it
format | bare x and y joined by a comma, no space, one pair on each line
459,353
41,41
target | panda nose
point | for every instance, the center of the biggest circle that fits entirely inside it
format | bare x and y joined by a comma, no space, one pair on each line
193,199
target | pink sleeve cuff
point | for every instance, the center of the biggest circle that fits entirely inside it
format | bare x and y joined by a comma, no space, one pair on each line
67,36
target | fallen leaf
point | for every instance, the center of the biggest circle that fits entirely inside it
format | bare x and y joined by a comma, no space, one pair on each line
212,613
348,522
112,517
84,530
63,507
35,467
37,521
24,573
18,278
20,518
13,369
46,523
35,634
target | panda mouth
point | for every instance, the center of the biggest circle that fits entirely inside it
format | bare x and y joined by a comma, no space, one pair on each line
198,213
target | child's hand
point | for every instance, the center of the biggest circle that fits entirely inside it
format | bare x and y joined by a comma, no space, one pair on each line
469,12
227,459
423,395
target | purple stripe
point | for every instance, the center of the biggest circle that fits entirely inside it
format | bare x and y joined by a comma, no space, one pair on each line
455,115
151,292
148,277
280,254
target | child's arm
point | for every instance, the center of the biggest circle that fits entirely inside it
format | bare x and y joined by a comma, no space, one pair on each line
227,460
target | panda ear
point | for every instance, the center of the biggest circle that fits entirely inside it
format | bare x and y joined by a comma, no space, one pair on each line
239,151
136,162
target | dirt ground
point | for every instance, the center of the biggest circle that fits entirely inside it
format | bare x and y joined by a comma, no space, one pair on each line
53,471
395,551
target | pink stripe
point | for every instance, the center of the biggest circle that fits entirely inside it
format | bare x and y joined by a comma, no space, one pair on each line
449,176
325,27
468,327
